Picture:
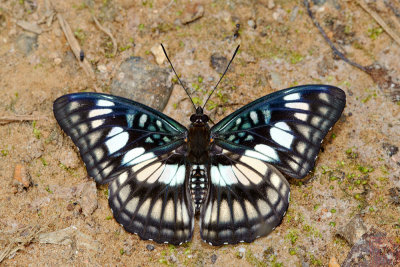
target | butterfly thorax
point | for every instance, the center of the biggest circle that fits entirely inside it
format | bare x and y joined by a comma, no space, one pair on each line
198,139
198,147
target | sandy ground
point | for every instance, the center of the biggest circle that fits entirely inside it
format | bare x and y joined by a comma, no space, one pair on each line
280,47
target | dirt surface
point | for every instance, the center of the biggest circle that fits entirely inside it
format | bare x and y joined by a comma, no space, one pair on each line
357,173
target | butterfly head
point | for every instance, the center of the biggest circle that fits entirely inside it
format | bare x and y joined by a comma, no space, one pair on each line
199,116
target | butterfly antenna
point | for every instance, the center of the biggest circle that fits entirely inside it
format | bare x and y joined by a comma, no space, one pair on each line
234,54
165,53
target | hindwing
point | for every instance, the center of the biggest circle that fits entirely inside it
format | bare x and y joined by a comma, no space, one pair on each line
247,199
151,199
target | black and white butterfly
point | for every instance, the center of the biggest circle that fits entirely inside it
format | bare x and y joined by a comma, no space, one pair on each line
161,174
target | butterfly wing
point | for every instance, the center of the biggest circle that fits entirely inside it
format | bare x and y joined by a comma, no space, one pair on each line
113,132
284,128
247,199
140,152
151,199
280,132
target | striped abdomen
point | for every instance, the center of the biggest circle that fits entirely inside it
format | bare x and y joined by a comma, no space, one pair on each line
198,183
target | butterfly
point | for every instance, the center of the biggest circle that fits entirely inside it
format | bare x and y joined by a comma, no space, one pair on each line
161,175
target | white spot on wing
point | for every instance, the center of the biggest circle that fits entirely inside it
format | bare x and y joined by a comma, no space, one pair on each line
250,174
132,204
264,208
98,112
323,110
224,212
73,105
295,96
124,193
122,178
267,151
154,177
117,141
142,158
144,208
207,215
301,147
97,123
240,176
254,117
315,121
237,212
301,116
132,154
172,175
279,134
324,97
104,103
297,105
256,164
169,215
156,210
272,196
115,131
275,180
83,128
74,118
267,115
142,120
146,172
129,120
250,210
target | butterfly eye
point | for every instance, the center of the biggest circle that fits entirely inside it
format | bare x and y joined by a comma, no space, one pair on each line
204,118
193,118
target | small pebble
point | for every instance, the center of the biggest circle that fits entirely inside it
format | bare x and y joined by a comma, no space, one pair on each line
219,63
242,252
192,12
294,12
390,149
57,61
333,262
27,42
88,198
150,247
173,258
68,158
102,68
271,4
21,175
319,2
394,194
158,53
70,207
213,258
144,82
353,230
251,23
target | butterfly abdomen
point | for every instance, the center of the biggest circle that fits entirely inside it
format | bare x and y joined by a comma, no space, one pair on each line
198,183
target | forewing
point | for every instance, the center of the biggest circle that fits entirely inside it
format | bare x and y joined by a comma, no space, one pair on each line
151,199
247,199
113,133
284,128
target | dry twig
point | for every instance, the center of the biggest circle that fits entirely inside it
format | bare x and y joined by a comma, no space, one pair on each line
75,46
380,21
18,243
106,31
16,118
